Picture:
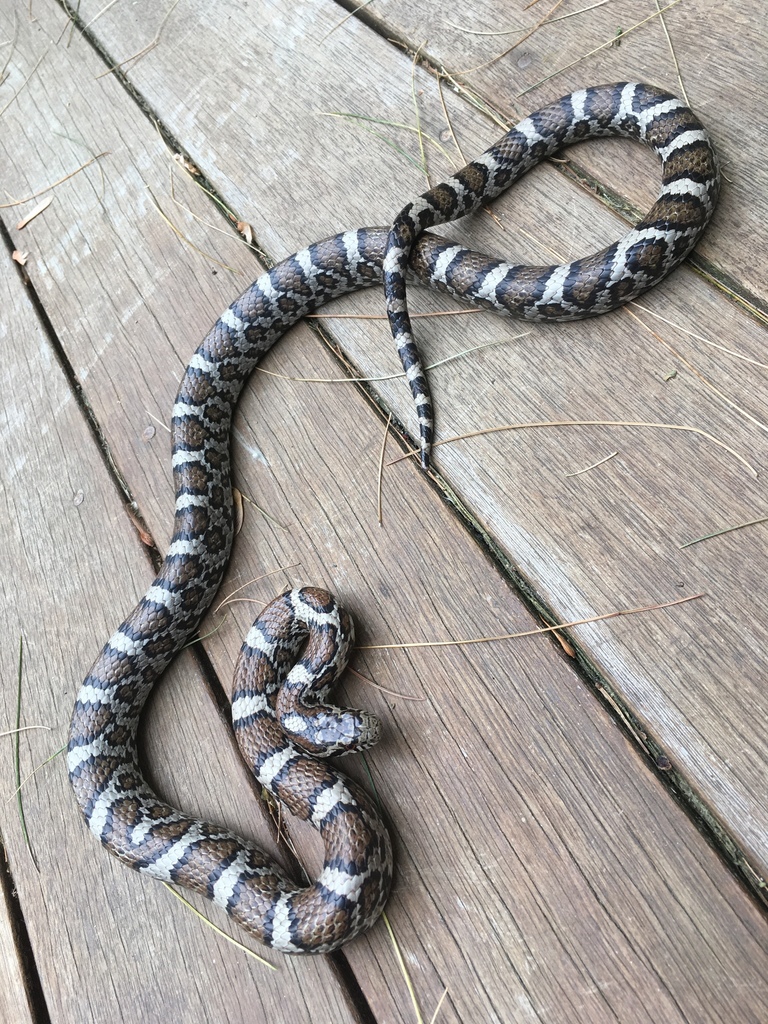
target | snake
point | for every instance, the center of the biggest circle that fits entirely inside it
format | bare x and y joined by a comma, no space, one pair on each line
296,649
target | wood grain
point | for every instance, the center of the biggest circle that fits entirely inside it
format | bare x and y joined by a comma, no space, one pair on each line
583,546
543,874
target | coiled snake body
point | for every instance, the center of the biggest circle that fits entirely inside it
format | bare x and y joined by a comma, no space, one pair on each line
280,716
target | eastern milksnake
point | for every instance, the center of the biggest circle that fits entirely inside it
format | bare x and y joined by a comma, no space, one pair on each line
275,726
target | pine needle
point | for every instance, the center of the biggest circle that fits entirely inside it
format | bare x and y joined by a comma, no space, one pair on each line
417,114
55,754
256,579
697,373
146,49
594,465
338,24
183,237
699,337
586,423
23,84
40,192
399,373
522,39
391,124
384,689
672,54
530,632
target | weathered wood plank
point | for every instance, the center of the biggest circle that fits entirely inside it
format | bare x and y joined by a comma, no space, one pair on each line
13,1000
554,864
107,947
509,797
699,708
715,46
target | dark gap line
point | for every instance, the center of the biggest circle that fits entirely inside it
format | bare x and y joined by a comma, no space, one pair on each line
357,1001
32,985
85,407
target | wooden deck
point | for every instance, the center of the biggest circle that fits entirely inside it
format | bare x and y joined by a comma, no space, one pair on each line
581,831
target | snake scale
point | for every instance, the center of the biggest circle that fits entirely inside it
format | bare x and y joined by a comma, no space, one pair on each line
300,643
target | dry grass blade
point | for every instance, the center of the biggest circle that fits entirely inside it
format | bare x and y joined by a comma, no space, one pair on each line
626,311
440,1002
96,17
672,53
263,512
640,738
380,473
95,157
42,191
17,755
24,728
417,114
218,930
440,80
511,31
248,242
480,32
282,837
727,529
476,348
587,423
72,17
204,636
476,100
530,632
179,159
741,300
366,119
158,420
583,10
378,135
51,757
597,49
403,969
